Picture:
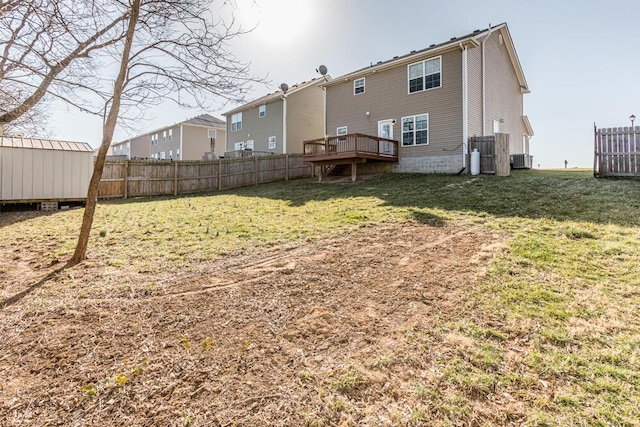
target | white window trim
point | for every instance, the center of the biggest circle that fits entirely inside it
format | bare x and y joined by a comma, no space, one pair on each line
338,130
234,121
414,131
249,145
239,146
215,133
424,76
170,134
262,111
364,86
272,143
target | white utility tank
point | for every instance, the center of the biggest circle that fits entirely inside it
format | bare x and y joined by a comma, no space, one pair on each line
475,162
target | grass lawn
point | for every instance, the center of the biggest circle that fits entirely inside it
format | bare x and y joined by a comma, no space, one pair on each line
543,329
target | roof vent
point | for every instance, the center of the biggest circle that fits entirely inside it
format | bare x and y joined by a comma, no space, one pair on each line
395,57
453,38
432,45
413,51
379,62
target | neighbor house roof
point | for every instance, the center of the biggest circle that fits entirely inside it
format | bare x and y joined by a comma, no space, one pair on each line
43,144
277,94
203,120
471,40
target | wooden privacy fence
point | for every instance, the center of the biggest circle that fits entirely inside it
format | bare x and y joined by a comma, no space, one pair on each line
617,152
143,178
494,153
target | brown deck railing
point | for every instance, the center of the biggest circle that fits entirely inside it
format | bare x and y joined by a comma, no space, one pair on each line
352,145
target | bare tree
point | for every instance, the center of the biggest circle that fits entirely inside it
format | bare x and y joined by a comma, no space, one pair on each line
172,50
47,51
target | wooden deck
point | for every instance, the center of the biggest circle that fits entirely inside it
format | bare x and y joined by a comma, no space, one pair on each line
349,149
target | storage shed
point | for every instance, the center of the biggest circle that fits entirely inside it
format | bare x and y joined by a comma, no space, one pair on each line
43,170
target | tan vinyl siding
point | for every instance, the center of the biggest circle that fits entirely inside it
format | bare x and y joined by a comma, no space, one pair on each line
386,97
195,142
141,147
504,96
304,117
474,82
258,129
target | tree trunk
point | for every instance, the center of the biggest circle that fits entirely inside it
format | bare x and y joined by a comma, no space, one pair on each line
108,129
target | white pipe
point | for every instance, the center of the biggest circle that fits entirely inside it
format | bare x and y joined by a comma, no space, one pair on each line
484,93
284,124
324,111
181,151
465,108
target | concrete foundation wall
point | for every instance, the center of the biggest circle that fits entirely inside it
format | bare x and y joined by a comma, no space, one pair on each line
451,163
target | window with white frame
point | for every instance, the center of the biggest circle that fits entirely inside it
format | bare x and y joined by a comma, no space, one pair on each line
170,135
236,122
164,136
415,130
262,110
177,153
162,154
249,145
239,145
171,154
425,75
212,133
358,86
496,126
272,143
342,130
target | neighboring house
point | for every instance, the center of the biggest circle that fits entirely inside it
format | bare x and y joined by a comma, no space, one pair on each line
187,140
432,100
36,170
279,122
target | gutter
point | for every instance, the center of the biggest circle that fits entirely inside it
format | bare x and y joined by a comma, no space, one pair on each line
465,105
284,123
484,93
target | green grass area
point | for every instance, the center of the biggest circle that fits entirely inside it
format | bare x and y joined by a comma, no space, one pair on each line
566,287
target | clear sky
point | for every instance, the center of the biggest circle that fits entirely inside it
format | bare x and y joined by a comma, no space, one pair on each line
580,58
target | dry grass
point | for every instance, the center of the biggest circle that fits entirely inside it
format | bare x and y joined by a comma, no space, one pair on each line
406,300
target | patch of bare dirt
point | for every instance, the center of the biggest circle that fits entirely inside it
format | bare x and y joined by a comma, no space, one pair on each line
339,332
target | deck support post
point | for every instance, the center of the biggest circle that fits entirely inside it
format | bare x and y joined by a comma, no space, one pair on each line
354,167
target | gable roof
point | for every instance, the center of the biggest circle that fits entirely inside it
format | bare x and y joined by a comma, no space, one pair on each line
203,120
470,40
43,144
276,95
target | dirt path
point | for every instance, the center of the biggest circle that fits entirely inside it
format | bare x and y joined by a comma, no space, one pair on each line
338,332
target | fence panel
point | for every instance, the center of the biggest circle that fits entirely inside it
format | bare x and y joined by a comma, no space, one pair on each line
133,178
617,152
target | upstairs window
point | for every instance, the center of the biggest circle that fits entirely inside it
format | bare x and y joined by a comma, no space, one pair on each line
415,130
358,86
170,135
236,122
425,75
164,136
212,133
262,111
341,130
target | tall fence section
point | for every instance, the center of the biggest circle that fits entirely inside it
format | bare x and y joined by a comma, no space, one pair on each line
616,152
494,153
143,178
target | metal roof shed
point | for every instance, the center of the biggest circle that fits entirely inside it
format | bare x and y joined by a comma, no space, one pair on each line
39,170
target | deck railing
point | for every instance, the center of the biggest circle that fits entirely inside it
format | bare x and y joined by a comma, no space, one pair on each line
355,144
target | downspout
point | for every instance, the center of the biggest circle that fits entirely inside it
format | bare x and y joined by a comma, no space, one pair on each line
324,111
284,124
465,108
484,93
181,152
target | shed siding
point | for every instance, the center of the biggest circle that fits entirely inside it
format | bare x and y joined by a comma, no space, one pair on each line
38,174
504,96
304,117
258,129
386,97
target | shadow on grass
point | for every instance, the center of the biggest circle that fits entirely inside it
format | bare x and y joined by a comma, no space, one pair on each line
14,217
572,195
17,297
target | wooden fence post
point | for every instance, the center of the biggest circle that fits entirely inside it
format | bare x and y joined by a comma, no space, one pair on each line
286,167
175,178
219,174
255,170
126,177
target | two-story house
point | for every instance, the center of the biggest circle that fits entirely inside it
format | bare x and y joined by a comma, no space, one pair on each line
431,101
192,139
279,122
